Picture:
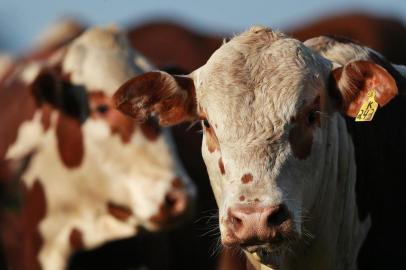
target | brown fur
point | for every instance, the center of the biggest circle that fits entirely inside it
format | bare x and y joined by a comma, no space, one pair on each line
118,211
356,78
76,239
69,134
247,178
173,103
19,228
221,166
211,140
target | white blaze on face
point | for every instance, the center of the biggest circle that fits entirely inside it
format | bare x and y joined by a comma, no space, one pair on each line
101,59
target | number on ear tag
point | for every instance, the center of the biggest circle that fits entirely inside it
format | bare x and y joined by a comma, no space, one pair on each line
368,109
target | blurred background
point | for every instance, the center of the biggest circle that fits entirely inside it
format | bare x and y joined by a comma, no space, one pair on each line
180,35
21,21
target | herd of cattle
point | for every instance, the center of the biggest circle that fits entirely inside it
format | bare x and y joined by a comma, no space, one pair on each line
92,176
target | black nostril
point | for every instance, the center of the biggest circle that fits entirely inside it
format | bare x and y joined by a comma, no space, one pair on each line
170,201
278,216
236,221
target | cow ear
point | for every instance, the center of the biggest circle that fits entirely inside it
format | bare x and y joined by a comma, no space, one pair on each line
171,98
354,80
49,87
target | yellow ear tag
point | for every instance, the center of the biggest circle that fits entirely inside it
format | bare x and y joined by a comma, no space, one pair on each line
368,109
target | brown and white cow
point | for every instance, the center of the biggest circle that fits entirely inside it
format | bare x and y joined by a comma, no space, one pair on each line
283,152
75,171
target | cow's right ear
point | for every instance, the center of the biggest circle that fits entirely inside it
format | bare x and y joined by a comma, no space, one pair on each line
171,98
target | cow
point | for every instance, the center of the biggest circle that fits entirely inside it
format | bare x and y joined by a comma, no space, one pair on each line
74,171
296,179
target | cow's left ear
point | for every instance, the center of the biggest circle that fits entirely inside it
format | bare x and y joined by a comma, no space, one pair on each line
171,98
354,80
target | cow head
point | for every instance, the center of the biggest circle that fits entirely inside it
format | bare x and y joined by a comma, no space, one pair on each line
103,175
268,106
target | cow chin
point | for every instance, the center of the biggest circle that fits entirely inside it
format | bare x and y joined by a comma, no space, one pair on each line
273,252
270,256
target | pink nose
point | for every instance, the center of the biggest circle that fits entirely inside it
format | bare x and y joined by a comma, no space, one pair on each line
250,225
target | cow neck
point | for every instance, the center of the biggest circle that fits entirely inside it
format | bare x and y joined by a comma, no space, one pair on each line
338,231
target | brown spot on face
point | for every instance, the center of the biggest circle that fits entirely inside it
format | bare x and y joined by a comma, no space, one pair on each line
70,140
101,107
76,239
46,111
177,183
242,198
221,166
151,129
211,139
21,238
257,200
246,178
120,212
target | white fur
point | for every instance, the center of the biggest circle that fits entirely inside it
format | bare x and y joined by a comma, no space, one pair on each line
250,89
137,174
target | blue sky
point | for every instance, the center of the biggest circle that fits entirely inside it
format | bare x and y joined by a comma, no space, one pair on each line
22,20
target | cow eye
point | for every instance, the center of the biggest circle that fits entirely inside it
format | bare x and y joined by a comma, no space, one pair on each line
102,108
312,117
206,123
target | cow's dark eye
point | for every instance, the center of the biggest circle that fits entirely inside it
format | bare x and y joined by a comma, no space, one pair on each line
206,123
102,108
312,117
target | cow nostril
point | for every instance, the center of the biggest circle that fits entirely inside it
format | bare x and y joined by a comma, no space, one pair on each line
170,200
277,216
236,221
175,203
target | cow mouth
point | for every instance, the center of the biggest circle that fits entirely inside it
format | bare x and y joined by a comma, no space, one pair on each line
270,253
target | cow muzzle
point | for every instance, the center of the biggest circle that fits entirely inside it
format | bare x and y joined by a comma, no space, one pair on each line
251,227
175,208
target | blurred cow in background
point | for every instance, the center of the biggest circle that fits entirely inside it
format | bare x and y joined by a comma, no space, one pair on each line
76,172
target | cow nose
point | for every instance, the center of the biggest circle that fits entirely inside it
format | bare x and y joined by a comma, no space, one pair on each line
175,202
173,207
250,225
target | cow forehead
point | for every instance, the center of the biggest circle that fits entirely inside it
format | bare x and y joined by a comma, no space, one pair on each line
257,81
102,59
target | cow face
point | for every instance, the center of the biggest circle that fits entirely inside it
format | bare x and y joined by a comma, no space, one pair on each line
268,107
103,175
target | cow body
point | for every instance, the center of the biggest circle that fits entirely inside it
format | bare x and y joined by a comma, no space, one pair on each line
81,172
279,143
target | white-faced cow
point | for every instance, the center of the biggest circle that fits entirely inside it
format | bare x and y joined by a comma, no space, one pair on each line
283,160
75,172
